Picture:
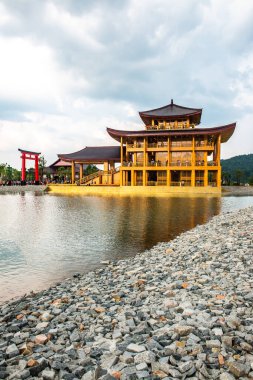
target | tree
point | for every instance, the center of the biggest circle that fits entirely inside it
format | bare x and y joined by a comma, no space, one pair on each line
42,165
2,170
238,176
90,169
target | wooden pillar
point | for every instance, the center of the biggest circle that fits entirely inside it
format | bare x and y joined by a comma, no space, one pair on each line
193,152
168,158
205,177
81,172
218,161
218,150
168,177
121,151
145,152
106,166
132,177
144,179
193,178
73,172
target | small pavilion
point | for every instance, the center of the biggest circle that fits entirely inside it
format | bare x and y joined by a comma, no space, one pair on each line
107,156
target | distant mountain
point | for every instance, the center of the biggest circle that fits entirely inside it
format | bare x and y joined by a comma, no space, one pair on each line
238,169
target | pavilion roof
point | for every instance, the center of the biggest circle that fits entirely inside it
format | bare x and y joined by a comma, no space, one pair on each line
171,111
60,163
226,132
93,154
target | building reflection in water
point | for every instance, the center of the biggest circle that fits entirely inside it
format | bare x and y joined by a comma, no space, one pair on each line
54,236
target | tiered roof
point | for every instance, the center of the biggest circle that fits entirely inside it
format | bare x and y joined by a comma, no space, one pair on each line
172,112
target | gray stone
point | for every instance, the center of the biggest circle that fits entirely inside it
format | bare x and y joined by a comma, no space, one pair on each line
226,376
146,357
238,369
132,347
48,374
213,343
12,351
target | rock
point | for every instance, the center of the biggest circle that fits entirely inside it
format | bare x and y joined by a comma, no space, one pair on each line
41,339
46,317
170,304
184,367
145,357
12,351
238,369
213,343
226,376
41,326
233,322
132,347
48,374
183,330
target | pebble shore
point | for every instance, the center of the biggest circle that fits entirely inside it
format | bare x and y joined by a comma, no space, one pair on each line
22,189
182,310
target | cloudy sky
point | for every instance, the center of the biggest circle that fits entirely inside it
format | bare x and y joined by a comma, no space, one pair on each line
70,68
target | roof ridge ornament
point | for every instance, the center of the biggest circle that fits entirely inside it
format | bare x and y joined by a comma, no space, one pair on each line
171,103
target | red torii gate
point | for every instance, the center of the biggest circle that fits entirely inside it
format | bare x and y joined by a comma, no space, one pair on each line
27,155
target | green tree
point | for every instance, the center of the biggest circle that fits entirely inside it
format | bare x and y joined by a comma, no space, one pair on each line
238,176
3,171
90,169
42,165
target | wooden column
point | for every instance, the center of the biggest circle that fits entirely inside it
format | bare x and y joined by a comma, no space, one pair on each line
145,160
73,172
132,177
168,177
193,178
168,164
121,151
81,172
218,150
205,177
144,179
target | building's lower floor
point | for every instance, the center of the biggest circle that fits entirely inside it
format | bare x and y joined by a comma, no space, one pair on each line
193,178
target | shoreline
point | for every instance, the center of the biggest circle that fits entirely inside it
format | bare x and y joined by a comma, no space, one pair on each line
22,189
183,309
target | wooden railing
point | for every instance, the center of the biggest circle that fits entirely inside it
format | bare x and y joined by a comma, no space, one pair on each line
98,173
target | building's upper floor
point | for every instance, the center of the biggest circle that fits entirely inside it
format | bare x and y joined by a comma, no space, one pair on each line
171,116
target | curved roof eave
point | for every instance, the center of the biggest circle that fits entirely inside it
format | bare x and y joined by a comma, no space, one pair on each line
226,132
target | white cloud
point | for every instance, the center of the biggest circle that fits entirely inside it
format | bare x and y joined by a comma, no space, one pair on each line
30,73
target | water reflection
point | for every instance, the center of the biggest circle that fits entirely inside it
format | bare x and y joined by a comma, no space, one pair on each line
44,239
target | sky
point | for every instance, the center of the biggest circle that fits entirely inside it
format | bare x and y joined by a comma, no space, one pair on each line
71,68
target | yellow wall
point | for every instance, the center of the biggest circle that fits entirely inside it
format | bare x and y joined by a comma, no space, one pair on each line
128,190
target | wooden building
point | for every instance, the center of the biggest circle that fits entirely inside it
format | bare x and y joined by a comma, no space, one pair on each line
172,150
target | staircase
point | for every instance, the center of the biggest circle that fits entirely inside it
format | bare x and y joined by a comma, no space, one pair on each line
89,177
94,175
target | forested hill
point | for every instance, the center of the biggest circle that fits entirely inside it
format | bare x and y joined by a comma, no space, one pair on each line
238,169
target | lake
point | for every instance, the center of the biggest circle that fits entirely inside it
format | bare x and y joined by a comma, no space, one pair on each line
46,238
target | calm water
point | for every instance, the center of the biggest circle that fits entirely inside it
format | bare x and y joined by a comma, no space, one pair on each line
46,238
